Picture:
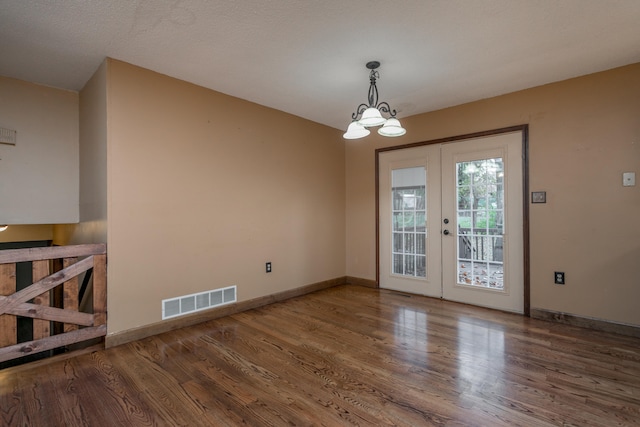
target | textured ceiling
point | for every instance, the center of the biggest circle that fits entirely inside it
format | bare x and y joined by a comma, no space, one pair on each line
308,57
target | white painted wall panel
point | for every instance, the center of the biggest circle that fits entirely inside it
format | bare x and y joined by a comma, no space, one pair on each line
39,176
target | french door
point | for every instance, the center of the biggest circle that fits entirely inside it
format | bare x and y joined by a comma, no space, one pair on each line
451,221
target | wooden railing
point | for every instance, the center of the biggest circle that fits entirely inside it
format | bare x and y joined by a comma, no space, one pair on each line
73,325
484,246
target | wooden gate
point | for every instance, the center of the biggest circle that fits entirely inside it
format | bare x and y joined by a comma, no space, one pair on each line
34,301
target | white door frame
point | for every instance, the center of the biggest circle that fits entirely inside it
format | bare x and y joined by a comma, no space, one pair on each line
524,129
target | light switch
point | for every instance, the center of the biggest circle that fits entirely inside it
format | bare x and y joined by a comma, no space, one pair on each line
629,179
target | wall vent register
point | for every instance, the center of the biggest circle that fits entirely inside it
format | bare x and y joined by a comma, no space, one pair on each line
186,304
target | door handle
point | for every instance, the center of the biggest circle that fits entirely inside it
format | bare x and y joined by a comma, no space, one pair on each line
445,232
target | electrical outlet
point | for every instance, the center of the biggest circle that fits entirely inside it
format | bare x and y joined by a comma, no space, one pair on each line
559,277
268,267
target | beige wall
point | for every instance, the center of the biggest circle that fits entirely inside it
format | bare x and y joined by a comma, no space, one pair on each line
93,166
583,133
204,188
39,175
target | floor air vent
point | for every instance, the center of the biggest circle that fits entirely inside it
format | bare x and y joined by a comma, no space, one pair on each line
195,302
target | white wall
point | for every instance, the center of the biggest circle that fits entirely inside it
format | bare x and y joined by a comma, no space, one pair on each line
39,176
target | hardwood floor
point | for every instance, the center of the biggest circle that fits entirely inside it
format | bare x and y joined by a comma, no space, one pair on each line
348,355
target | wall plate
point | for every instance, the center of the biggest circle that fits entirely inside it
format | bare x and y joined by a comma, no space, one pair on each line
629,179
8,136
538,197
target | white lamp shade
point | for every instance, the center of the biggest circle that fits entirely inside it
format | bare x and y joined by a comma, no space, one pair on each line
392,127
371,117
355,131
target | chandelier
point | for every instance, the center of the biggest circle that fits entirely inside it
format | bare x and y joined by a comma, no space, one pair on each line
370,115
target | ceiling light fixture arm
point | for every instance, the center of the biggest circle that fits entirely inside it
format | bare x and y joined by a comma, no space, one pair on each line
359,111
373,95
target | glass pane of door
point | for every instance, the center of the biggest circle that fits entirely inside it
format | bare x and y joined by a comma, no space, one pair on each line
409,220
480,214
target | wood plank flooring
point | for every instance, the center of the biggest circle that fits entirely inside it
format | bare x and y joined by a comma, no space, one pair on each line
348,355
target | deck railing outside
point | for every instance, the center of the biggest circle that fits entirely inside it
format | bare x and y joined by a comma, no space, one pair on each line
54,325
